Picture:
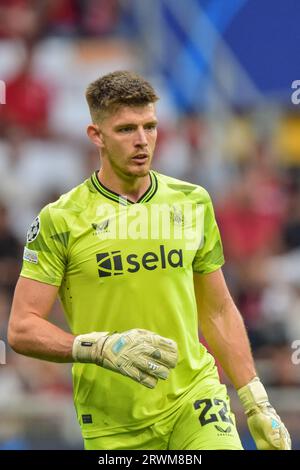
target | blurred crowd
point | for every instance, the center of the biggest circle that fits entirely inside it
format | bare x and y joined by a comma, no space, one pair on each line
32,20
248,159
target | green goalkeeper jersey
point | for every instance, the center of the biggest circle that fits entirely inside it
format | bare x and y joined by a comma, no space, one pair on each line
122,265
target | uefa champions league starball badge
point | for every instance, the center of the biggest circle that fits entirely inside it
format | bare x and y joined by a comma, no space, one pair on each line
33,230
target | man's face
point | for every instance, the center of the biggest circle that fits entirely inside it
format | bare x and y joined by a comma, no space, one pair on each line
128,138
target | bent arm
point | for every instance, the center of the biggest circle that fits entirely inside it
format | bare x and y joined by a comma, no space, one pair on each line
223,328
29,331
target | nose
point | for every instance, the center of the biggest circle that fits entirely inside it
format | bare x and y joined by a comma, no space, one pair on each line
141,139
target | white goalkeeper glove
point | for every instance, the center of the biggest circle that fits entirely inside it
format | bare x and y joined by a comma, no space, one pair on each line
267,429
139,354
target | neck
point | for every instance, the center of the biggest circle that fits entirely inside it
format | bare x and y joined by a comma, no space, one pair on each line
132,187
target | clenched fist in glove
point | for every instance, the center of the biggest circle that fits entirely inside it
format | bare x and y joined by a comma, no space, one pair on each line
267,429
139,354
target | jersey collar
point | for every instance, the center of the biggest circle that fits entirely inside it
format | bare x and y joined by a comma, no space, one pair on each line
121,199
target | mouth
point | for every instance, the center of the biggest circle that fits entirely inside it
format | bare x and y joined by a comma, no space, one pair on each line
140,157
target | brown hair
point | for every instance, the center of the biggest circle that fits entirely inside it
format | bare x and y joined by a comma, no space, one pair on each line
120,88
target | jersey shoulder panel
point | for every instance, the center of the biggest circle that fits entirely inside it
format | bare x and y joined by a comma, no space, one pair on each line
75,200
65,211
49,237
192,191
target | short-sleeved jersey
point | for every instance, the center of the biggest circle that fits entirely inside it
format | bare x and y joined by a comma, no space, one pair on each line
122,265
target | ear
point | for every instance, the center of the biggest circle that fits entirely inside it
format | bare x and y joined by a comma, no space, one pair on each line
95,135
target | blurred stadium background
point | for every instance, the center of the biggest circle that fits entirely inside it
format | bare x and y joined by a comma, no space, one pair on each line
224,71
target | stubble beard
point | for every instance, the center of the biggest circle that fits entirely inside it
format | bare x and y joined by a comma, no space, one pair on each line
130,169
133,170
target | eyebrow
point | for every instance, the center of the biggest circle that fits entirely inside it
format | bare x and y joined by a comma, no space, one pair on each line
132,124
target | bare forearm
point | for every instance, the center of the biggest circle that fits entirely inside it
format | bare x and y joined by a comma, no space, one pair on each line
226,335
37,337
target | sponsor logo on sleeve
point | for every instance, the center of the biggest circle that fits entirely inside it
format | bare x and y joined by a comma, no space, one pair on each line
30,256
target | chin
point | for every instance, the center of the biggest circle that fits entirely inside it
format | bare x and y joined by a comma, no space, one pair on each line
139,172
142,172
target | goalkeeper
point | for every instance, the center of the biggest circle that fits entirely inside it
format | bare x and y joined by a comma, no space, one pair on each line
134,303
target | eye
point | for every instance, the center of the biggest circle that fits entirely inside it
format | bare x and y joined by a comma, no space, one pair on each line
151,127
126,129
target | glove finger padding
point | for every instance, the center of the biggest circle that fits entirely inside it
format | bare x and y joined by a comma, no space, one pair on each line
133,354
167,357
127,369
164,349
160,342
285,438
147,364
137,341
267,430
148,358
147,380
266,427
134,368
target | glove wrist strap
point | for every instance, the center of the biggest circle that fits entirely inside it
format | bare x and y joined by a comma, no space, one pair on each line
252,395
85,347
